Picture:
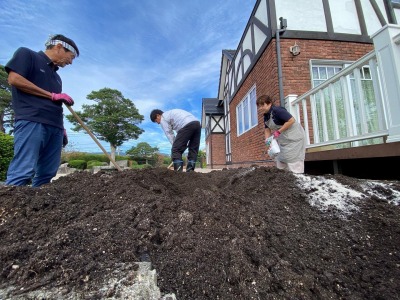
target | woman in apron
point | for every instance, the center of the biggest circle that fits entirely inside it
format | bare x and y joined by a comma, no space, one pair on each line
289,134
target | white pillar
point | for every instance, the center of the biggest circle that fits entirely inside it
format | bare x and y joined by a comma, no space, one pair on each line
288,102
387,48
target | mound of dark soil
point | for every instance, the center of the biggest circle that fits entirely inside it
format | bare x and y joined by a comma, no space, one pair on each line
232,234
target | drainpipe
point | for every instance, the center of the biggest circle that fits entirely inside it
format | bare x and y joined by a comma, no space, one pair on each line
211,137
283,25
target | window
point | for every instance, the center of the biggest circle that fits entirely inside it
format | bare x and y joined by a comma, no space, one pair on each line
246,112
396,6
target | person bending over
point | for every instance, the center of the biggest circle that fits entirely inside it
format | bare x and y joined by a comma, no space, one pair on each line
287,131
188,133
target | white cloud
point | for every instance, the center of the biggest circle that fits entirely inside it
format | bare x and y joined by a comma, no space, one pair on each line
160,54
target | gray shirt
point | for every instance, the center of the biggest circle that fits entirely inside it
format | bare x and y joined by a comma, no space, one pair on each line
175,120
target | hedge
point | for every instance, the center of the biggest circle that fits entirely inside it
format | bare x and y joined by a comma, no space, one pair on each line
77,164
6,153
95,163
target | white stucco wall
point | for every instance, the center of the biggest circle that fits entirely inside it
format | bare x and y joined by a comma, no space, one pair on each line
343,12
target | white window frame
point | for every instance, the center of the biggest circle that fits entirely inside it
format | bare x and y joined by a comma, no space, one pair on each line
244,111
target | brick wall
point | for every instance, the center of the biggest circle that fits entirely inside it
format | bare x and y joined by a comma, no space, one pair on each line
296,80
216,145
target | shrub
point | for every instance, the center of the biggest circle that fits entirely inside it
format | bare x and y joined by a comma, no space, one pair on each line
77,164
67,156
144,166
6,153
95,163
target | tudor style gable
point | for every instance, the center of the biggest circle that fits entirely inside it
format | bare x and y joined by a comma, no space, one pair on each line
212,116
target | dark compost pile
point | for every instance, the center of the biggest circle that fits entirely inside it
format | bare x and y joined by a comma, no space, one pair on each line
248,233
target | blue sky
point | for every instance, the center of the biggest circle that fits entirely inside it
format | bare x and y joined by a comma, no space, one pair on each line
160,54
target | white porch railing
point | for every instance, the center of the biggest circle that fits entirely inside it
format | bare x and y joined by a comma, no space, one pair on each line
351,107
335,111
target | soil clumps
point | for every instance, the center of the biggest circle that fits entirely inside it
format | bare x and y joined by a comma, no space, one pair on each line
248,233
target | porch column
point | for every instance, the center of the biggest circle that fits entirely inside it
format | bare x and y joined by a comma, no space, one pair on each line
288,103
387,48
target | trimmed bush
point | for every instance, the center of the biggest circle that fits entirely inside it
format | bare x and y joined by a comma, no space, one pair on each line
68,156
77,164
95,163
144,166
6,153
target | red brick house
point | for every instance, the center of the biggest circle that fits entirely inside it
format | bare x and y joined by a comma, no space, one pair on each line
287,49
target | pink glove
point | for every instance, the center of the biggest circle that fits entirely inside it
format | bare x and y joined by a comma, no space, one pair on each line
62,97
277,133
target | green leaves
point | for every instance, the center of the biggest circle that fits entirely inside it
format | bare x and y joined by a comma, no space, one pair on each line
6,153
113,118
6,113
142,150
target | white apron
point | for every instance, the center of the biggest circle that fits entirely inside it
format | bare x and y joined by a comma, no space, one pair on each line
292,142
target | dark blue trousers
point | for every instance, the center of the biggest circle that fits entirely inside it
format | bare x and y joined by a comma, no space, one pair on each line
187,137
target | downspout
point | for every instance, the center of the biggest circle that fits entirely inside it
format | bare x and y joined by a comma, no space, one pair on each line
211,137
283,25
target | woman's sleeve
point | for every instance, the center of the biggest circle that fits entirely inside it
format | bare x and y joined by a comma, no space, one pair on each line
282,114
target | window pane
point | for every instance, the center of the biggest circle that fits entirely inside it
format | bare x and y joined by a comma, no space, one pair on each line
331,72
315,73
337,70
317,82
239,118
354,93
322,73
366,73
328,114
324,107
253,107
318,110
246,114
340,110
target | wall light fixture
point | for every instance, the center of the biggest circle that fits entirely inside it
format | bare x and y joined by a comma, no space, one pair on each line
295,50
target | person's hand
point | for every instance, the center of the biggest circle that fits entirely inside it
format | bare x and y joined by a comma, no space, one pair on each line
62,97
276,133
268,141
65,139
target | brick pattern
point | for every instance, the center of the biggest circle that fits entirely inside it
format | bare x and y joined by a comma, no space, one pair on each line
216,143
249,147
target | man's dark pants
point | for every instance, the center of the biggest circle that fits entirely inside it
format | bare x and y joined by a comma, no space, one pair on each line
187,137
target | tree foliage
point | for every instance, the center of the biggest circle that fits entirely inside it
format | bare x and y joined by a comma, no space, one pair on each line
142,150
113,118
6,112
6,153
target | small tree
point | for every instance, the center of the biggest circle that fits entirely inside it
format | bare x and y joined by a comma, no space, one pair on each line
112,119
201,158
143,150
